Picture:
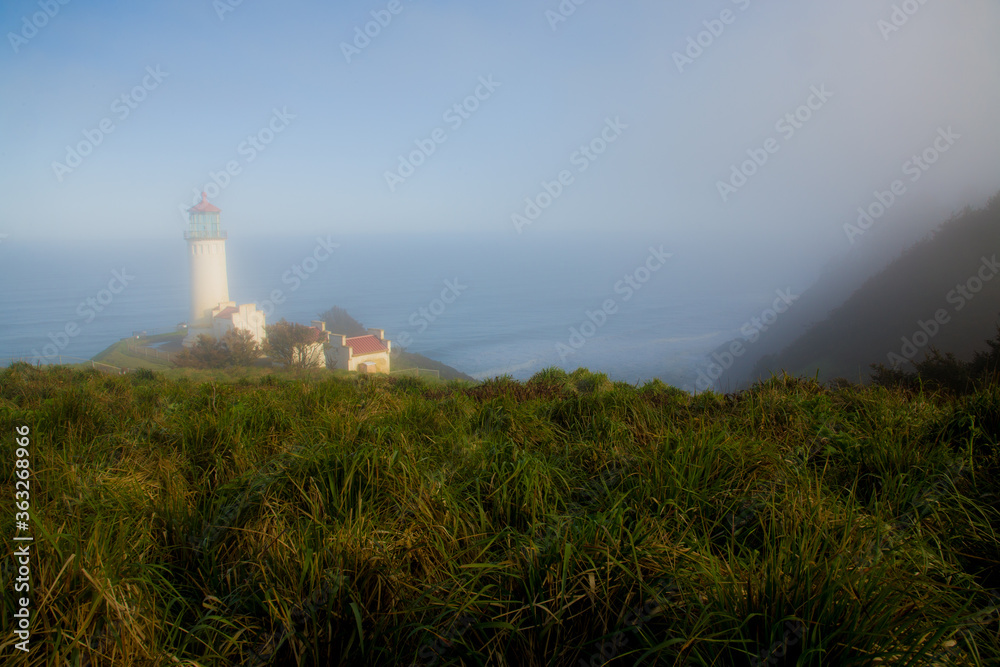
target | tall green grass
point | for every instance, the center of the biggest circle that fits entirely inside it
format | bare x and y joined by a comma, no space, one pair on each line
564,520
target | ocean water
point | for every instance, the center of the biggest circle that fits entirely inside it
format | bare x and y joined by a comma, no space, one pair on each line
515,301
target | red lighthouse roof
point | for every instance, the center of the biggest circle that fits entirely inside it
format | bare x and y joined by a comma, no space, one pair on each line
204,206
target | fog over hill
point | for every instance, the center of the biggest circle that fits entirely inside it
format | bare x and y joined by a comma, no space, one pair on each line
940,293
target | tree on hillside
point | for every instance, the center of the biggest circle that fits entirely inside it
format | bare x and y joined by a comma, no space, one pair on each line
242,347
339,322
207,352
288,343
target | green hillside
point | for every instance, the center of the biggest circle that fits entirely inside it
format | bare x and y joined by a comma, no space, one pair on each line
567,520
403,360
943,292
119,355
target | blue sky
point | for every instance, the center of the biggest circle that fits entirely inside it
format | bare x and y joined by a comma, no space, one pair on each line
225,74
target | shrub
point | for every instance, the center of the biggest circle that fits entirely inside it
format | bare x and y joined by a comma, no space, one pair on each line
207,352
288,343
242,347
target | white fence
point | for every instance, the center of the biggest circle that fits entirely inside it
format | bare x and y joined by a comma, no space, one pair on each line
147,352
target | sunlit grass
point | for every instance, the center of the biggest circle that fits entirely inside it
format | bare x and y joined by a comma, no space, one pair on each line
387,521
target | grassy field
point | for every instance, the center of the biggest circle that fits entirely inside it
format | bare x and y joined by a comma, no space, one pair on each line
566,520
118,354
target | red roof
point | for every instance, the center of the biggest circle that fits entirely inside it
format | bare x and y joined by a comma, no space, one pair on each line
204,206
366,345
228,312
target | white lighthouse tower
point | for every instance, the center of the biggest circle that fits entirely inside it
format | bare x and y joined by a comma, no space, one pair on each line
207,251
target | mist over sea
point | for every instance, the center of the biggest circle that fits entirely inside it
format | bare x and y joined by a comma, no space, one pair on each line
515,297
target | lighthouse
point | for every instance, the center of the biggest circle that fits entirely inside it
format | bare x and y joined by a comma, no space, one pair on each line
207,253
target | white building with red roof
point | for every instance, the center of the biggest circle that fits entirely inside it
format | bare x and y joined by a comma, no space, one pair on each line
227,316
366,354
